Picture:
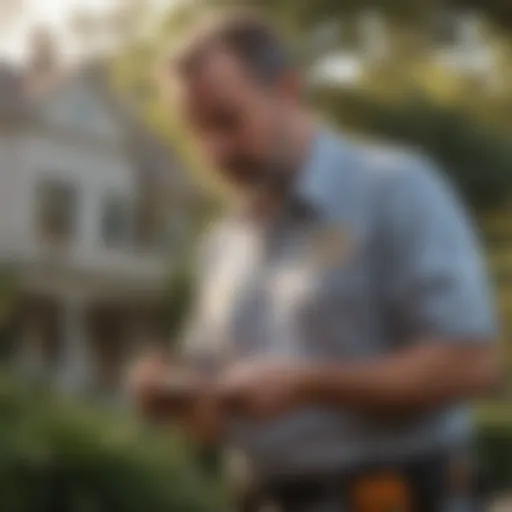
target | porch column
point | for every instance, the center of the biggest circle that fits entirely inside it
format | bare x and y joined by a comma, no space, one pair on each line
76,371
29,356
138,337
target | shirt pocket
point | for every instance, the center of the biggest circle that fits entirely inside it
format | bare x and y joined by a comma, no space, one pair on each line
323,305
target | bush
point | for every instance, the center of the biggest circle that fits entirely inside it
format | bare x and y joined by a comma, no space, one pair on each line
56,456
60,457
494,445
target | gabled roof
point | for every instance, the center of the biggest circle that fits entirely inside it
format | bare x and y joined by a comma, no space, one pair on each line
154,160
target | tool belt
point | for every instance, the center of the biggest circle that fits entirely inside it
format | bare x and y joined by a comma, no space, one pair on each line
430,484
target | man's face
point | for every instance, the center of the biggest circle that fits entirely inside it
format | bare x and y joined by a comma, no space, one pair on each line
237,121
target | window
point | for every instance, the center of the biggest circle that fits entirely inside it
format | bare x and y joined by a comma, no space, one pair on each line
116,221
56,211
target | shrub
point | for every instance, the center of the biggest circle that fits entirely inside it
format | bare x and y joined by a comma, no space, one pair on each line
57,456
494,446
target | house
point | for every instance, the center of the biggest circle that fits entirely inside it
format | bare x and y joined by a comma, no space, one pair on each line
85,191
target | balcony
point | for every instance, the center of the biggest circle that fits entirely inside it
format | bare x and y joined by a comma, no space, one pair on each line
97,270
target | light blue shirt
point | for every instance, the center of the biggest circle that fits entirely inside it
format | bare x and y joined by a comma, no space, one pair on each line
374,253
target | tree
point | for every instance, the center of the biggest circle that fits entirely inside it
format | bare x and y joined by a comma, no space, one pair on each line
306,14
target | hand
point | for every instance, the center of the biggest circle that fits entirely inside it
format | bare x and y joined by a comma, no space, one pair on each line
145,378
161,388
165,391
263,390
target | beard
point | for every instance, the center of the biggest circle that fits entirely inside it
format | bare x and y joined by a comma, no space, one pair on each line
245,172
272,173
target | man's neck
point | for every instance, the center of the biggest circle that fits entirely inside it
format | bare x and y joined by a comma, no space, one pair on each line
267,200
302,132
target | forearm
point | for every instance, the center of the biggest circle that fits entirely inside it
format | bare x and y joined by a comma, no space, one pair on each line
417,380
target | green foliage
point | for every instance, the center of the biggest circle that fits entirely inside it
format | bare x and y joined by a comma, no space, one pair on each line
305,13
494,446
478,157
495,449
9,295
55,455
178,298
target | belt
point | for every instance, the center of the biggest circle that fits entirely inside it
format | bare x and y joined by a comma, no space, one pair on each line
424,485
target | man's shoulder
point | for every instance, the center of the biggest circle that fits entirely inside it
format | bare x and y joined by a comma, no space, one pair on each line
389,161
386,167
375,162
384,181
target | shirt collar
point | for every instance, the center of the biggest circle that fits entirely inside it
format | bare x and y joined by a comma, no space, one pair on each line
313,183
312,189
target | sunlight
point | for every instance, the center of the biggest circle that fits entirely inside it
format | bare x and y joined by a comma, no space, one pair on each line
54,14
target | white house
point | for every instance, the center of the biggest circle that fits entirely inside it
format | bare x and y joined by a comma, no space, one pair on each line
80,182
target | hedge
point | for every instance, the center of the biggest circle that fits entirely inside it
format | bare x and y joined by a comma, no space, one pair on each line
494,445
57,456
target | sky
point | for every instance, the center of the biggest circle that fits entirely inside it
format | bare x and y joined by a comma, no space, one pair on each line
56,13
53,13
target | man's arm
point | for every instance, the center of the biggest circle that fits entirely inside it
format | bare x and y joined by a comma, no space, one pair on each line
414,380
167,390
438,296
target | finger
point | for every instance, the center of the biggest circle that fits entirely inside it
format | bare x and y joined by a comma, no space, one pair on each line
263,407
232,401
230,397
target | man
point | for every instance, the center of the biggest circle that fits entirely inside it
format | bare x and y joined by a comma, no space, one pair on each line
343,303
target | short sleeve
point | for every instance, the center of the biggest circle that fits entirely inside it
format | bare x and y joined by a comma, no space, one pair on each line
437,283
